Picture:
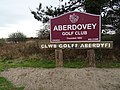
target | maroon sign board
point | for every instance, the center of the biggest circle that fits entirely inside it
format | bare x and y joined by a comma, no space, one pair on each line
75,27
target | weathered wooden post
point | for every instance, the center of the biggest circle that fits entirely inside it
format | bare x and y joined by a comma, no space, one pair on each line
59,57
91,58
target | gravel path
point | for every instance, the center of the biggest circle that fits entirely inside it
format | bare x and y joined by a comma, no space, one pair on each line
64,78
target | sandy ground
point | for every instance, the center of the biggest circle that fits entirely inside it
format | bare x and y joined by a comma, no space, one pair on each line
64,78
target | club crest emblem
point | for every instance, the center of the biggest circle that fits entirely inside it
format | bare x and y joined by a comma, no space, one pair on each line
73,18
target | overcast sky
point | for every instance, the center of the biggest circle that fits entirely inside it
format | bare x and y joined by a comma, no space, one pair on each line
15,16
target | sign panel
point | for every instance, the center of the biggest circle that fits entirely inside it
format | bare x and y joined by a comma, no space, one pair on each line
75,27
81,45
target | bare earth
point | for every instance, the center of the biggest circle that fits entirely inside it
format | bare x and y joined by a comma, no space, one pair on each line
64,78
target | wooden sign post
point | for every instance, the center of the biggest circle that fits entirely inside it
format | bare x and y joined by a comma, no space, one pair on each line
91,58
59,57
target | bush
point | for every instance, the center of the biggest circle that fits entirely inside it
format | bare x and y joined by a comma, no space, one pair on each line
2,42
17,37
33,51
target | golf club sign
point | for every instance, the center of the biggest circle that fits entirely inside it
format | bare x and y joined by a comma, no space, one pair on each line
76,30
75,27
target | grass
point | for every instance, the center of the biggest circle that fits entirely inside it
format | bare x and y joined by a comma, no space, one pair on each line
6,85
4,65
108,64
26,63
75,64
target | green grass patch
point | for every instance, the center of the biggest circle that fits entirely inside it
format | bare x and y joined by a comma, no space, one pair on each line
2,66
6,85
26,63
108,64
38,63
81,63
75,64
